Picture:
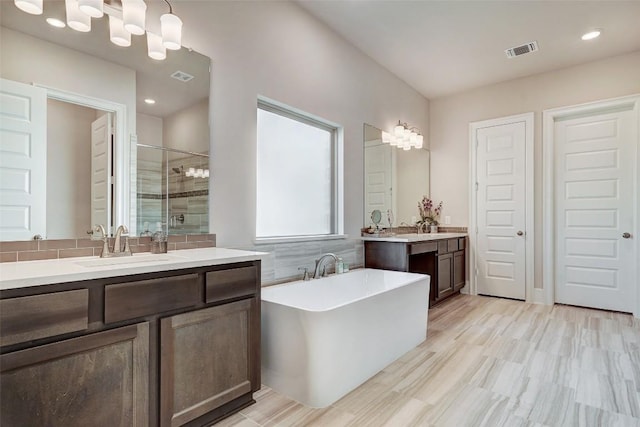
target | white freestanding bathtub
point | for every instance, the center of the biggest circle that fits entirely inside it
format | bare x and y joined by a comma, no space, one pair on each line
324,337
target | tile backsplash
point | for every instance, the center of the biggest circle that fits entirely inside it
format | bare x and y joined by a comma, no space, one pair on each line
32,250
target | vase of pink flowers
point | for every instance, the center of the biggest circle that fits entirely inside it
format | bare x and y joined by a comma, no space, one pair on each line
429,214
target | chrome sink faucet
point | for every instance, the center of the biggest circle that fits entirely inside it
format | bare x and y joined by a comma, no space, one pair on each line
320,270
117,251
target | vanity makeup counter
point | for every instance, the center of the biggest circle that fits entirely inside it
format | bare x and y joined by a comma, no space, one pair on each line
440,255
169,339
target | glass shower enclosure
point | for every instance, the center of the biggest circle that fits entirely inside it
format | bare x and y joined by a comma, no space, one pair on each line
172,191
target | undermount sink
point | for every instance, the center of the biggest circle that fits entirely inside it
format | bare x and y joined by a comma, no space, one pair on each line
133,259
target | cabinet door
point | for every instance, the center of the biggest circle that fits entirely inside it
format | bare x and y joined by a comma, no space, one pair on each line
445,278
208,358
458,270
100,379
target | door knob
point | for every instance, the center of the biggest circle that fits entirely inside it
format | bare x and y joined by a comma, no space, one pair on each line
626,235
519,233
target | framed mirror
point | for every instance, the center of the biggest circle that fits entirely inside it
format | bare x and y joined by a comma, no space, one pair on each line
96,91
394,179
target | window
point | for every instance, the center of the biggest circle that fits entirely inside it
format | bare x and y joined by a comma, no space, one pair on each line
297,175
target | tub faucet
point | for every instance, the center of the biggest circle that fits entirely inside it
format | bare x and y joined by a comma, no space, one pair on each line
320,270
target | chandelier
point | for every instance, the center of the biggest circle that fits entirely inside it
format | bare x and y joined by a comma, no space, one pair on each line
404,136
125,18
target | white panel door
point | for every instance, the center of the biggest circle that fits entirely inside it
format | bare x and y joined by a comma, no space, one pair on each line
23,161
101,174
378,180
500,222
595,160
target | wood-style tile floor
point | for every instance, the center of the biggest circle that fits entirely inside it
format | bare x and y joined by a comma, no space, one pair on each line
490,362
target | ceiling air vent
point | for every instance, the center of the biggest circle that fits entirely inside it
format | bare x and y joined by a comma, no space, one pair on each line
182,76
521,50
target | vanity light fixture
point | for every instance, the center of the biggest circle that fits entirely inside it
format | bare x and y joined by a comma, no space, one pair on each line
93,8
156,49
197,173
124,21
171,29
404,137
117,33
54,22
591,35
33,7
77,19
134,14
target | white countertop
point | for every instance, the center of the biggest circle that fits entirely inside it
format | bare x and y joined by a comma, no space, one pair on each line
414,237
33,273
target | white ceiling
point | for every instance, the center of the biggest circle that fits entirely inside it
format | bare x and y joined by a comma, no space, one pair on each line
443,47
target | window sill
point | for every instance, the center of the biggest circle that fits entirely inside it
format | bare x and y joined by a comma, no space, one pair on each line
295,239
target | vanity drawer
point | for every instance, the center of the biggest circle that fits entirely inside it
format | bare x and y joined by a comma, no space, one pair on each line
420,248
39,316
231,283
129,300
462,243
448,246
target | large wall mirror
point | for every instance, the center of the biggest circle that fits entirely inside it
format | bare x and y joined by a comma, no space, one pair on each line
394,179
106,155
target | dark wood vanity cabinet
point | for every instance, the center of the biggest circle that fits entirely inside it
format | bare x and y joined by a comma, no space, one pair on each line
443,260
170,348
100,379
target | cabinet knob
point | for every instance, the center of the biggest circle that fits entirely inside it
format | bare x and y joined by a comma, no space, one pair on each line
519,233
626,235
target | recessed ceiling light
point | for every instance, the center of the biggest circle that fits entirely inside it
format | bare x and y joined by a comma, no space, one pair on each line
591,35
54,22
150,101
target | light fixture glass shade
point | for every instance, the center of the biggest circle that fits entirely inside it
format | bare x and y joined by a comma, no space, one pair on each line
419,141
134,13
75,18
206,173
398,130
156,49
413,139
386,137
407,133
407,147
191,172
118,35
93,8
393,141
171,28
33,7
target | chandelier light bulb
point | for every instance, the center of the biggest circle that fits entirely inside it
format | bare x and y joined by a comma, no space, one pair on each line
171,29
134,14
34,7
93,8
75,18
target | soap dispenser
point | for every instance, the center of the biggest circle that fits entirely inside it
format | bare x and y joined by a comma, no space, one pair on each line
159,240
